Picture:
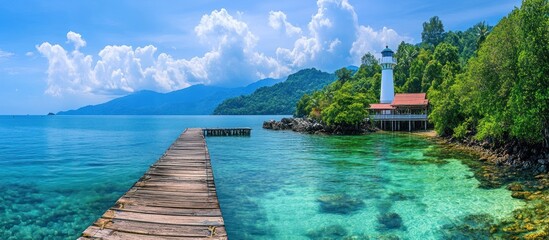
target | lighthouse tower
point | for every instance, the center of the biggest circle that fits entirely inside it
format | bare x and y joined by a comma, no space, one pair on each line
387,86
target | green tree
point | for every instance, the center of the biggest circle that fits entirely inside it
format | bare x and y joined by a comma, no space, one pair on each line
481,31
347,109
432,74
493,73
433,32
530,94
445,113
369,67
303,107
415,79
405,55
344,75
446,53
504,94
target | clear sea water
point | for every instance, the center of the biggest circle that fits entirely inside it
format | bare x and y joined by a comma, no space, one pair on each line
60,173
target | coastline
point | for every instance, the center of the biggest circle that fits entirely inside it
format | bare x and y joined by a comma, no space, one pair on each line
524,180
530,159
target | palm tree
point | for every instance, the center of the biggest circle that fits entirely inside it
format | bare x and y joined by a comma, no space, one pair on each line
482,31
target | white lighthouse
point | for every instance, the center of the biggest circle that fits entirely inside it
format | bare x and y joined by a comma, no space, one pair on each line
387,86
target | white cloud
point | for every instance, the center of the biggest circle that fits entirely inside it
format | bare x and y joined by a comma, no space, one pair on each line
68,72
4,54
232,60
369,40
29,54
278,21
336,39
76,39
333,39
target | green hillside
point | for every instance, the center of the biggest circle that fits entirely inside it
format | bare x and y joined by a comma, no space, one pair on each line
279,99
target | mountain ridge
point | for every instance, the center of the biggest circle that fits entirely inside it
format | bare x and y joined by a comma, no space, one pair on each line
194,100
279,99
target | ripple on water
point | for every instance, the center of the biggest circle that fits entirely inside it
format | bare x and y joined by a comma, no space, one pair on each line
378,186
61,173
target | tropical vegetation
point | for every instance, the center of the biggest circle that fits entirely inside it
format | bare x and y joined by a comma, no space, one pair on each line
485,83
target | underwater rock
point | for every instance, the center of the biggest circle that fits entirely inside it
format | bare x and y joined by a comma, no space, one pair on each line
390,221
388,237
515,187
357,237
531,222
521,195
476,226
478,220
397,196
340,203
327,233
536,235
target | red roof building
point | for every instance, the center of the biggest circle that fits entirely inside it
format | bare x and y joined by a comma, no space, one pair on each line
408,111
410,99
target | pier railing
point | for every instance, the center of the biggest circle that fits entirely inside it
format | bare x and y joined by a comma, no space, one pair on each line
227,132
398,117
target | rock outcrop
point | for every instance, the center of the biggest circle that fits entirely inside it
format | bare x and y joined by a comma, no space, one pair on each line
312,126
514,154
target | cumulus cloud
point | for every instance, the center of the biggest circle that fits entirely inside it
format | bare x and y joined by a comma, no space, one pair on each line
335,38
76,39
233,55
231,60
332,39
278,21
369,40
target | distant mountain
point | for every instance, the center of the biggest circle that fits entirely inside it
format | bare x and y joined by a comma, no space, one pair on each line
194,100
280,98
352,68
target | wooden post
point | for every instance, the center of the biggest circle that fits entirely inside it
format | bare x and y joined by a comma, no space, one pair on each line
409,125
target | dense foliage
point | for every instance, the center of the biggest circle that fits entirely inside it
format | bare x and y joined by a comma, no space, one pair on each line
279,99
484,83
344,102
504,92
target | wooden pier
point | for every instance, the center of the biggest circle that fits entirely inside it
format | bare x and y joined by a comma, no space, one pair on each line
175,199
227,131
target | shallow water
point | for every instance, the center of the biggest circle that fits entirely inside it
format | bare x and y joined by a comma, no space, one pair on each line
61,173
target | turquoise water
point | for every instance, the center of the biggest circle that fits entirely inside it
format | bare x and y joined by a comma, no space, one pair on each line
61,173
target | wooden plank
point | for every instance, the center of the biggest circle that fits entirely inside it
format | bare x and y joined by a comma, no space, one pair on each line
175,199
105,233
148,228
173,211
162,218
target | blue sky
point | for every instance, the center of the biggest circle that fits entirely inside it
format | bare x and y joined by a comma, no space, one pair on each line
58,55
